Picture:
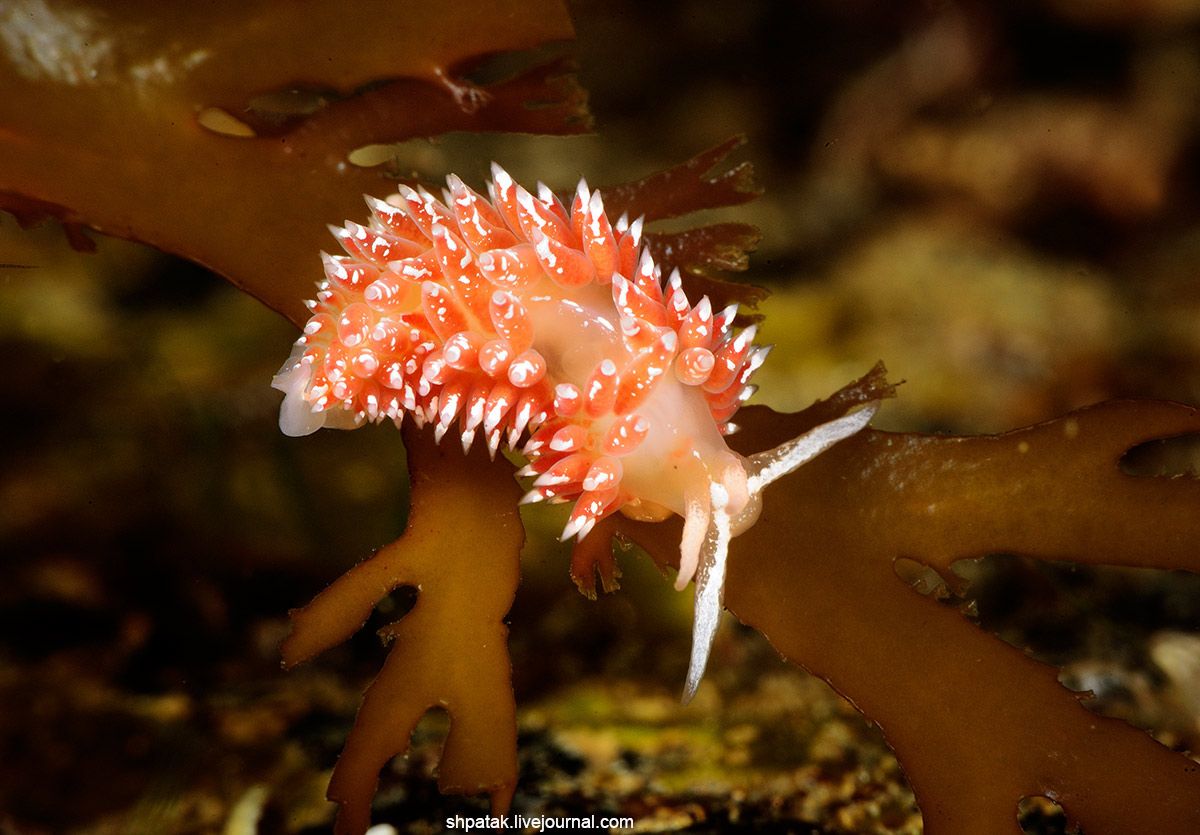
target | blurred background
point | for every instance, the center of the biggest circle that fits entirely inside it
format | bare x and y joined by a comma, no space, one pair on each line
999,200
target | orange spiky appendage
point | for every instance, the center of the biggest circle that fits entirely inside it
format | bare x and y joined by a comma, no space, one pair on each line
552,332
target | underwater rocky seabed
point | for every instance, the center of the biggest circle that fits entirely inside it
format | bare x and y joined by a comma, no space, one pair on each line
155,527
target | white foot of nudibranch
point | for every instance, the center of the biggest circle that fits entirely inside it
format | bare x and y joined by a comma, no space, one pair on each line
760,470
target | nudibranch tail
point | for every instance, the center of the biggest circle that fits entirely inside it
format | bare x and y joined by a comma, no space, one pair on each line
760,470
537,324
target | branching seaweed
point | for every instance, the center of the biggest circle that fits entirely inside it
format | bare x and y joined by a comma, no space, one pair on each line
451,650
89,140
976,724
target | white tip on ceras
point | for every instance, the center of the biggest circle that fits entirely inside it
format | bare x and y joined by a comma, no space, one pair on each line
520,421
501,178
532,497
378,206
595,207
635,230
574,526
493,443
721,525
439,431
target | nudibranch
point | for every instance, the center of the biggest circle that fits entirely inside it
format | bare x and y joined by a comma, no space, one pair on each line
552,332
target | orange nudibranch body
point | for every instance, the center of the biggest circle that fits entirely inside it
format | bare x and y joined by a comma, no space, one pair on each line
550,331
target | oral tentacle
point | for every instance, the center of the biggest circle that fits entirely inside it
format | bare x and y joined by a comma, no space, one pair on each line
732,500
773,464
710,588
